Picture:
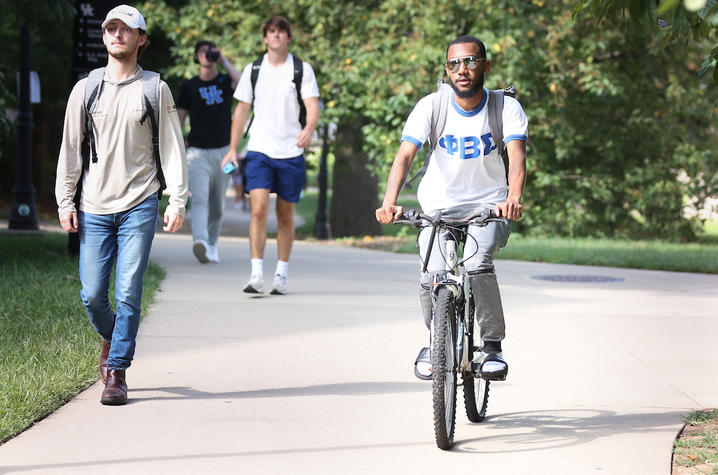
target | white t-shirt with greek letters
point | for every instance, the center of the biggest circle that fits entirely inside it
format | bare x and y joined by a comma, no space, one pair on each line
466,167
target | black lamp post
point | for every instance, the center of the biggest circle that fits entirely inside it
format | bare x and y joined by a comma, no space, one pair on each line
23,214
321,224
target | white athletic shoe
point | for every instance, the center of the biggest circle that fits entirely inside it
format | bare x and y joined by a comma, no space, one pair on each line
200,251
255,285
279,286
212,253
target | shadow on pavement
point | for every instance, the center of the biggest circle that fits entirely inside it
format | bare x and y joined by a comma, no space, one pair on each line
341,389
547,429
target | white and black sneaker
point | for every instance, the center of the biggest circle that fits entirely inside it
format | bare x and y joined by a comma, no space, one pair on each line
199,248
255,285
279,286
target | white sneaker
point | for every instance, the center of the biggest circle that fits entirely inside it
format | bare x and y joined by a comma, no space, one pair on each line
212,253
255,285
279,286
200,251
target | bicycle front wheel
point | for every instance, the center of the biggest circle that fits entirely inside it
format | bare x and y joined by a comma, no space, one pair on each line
444,364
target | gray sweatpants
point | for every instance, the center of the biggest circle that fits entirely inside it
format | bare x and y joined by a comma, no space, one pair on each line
208,186
487,240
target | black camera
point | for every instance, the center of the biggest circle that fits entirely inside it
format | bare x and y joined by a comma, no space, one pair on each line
212,55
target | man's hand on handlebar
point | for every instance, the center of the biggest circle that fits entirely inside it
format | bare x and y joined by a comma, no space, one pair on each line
389,213
510,209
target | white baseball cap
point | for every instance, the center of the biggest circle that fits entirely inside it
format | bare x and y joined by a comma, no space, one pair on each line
130,16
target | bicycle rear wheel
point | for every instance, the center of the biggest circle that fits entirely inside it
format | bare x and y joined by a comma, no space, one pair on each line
476,397
444,364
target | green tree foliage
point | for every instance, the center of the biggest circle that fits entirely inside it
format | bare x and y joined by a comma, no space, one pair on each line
621,131
621,128
678,20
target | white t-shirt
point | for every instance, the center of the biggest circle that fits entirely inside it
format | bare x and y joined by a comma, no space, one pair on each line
276,109
466,167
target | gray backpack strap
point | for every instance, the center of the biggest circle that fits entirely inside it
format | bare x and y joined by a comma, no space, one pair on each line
151,110
496,122
439,108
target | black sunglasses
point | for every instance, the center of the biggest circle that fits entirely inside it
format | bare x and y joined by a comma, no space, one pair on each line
471,62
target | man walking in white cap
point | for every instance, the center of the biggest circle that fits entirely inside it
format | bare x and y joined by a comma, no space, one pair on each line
122,144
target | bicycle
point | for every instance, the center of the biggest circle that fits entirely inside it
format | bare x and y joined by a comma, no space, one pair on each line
452,326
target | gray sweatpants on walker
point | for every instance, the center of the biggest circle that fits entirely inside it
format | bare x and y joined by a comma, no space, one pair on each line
487,240
208,186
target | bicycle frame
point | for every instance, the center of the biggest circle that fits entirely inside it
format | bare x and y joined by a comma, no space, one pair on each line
454,279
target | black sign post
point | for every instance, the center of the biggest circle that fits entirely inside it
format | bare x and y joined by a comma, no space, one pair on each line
23,213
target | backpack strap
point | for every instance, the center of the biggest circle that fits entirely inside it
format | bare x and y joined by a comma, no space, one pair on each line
93,89
253,75
297,80
496,122
151,111
439,109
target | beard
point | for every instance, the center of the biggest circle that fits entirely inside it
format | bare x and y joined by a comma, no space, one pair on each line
122,54
476,85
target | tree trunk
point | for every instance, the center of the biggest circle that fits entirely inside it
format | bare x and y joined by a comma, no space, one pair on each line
354,189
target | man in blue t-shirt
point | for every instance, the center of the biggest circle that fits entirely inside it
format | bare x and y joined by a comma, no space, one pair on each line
466,174
207,98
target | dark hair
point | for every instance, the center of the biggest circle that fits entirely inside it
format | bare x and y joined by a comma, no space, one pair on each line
203,43
142,48
277,21
467,39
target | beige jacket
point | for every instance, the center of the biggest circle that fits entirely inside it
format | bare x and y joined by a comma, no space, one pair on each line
125,172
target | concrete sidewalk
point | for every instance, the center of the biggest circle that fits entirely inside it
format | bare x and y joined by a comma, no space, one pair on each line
235,221
320,380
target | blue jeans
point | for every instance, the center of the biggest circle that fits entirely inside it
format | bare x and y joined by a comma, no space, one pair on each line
125,237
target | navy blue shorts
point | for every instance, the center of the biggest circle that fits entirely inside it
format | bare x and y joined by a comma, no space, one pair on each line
283,176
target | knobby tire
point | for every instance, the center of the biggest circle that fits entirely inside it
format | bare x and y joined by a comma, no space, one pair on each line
444,364
476,397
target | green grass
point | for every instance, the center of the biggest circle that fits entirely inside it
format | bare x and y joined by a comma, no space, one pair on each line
698,443
48,348
658,255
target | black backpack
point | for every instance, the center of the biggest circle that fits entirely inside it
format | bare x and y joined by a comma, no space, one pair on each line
297,80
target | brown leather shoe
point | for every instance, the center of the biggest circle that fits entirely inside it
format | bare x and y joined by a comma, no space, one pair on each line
115,393
104,353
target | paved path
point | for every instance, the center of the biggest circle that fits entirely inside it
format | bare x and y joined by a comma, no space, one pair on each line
320,381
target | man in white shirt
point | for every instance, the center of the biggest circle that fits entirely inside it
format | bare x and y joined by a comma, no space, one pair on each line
466,173
277,138
119,181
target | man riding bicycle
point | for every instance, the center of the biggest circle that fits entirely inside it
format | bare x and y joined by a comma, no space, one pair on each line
465,175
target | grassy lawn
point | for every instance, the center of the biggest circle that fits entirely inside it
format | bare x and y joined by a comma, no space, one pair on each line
48,348
696,448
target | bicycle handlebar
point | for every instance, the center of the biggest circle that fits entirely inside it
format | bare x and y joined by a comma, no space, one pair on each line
416,218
